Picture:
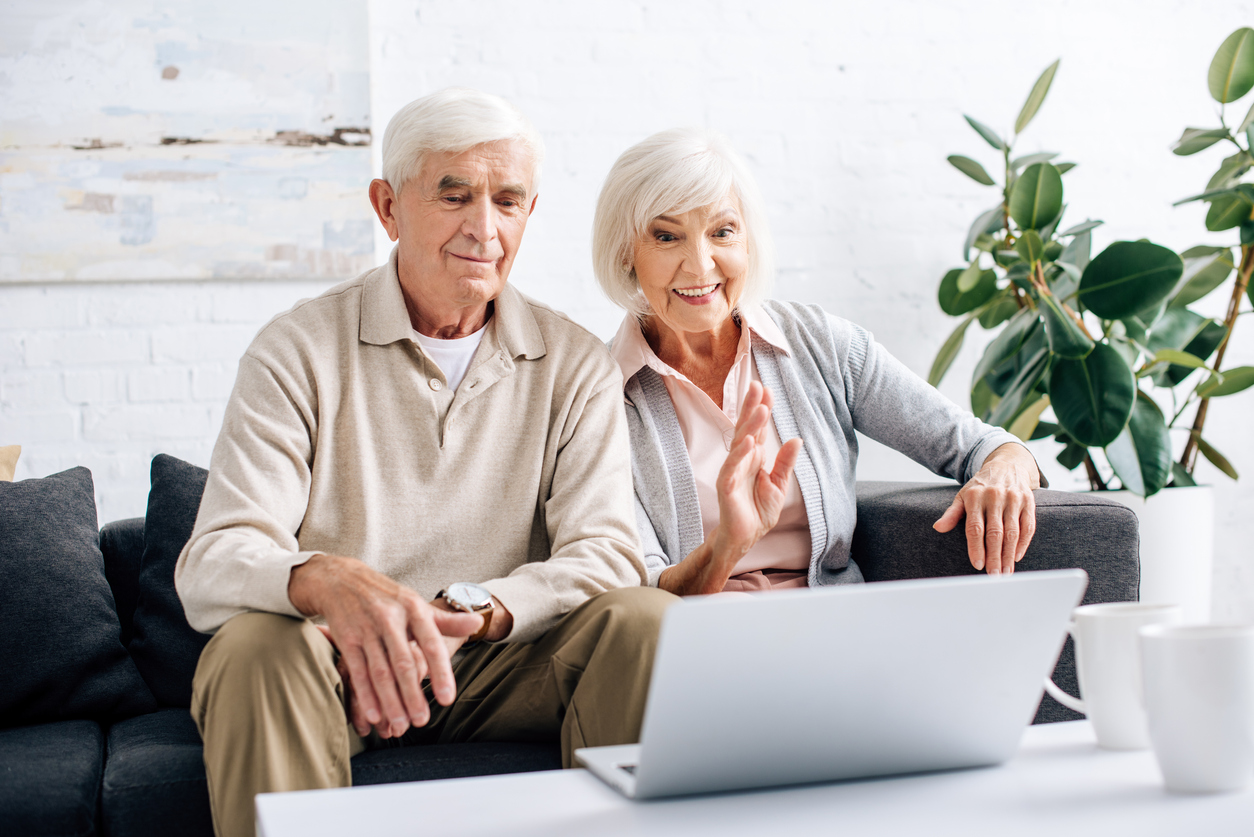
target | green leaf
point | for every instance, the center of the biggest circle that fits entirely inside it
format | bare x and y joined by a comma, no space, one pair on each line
999,311
1066,339
1194,140
1007,343
1093,397
1079,228
1235,380
970,168
1077,252
955,302
1141,454
1005,257
1047,231
1215,457
1052,251
1063,168
989,222
1247,121
1036,97
948,351
1202,345
1017,394
1127,277
1029,159
1063,279
1208,195
1227,212
1024,425
1174,330
1179,358
1181,477
1030,246
1202,274
1043,430
1232,69
1018,274
970,277
1229,170
983,399
1036,198
990,136
1071,456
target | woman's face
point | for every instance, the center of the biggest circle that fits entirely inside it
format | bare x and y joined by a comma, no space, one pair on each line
691,266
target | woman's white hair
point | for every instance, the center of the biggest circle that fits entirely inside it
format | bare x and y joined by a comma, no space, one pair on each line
453,120
670,173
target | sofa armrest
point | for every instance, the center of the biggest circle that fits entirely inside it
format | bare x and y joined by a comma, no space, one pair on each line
894,539
122,543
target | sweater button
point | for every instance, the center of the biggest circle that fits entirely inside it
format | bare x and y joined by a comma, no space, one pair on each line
436,385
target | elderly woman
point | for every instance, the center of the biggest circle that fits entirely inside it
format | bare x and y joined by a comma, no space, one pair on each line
742,411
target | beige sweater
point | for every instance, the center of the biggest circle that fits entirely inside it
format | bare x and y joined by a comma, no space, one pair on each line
341,437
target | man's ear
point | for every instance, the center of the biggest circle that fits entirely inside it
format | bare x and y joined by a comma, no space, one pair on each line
534,198
384,201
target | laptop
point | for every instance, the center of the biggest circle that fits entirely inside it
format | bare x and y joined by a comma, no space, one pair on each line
846,682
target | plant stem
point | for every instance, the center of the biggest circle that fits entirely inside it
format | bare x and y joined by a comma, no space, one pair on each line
1096,483
1189,459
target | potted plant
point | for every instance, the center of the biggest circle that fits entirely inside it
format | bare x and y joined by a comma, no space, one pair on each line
1103,352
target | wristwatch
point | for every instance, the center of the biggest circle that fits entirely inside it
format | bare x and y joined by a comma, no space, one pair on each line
470,598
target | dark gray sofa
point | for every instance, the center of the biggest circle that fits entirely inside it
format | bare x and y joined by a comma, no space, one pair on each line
125,772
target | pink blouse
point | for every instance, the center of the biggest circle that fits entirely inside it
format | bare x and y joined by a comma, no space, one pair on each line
708,432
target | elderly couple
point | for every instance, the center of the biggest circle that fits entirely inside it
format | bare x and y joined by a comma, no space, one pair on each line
440,511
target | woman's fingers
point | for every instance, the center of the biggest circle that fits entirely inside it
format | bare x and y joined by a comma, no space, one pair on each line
1027,526
785,460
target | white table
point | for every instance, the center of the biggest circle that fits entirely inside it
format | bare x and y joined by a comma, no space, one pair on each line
1060,784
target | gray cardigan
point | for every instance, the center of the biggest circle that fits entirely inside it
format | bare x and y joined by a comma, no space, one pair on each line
835,380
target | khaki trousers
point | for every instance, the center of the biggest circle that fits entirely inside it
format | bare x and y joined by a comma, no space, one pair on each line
269,701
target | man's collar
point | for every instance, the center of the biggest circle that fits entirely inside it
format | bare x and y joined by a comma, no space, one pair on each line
632,351
385,319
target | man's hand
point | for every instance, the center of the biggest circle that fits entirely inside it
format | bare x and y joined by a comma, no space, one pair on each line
388,637
1000,509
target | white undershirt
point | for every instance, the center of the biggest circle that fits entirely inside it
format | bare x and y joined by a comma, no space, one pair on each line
452,356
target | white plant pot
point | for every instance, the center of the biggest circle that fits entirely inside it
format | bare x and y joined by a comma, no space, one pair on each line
1177,546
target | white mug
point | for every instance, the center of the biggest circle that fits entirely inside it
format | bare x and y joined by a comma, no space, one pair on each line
1199,694
1108,664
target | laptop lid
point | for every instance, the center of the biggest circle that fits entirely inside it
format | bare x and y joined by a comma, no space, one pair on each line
861,680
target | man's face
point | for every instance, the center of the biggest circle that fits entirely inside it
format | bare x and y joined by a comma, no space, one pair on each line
459,223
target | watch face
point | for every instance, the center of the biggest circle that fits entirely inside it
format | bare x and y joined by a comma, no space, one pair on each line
468,595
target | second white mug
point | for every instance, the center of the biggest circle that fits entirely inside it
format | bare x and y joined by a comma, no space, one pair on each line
1108,665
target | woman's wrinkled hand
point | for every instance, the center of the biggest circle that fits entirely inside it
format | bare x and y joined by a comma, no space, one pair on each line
750,500
1000,509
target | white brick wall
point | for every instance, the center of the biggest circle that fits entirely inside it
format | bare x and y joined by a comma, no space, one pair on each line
846,113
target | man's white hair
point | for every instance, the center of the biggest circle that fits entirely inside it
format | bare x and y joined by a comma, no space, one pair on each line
453,120
670,173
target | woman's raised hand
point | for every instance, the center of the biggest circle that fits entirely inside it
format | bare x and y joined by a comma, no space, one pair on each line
750,500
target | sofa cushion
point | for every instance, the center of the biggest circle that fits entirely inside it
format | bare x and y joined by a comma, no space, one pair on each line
122,544
164,646
60,646
154,778
50,778
449,761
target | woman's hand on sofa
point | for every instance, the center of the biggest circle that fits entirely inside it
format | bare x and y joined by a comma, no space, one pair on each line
1000,509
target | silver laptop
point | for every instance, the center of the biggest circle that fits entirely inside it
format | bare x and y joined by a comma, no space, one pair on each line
847,682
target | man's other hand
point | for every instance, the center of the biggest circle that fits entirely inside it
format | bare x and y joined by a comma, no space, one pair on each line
389,639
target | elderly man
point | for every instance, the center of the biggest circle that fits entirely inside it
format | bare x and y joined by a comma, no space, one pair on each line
434,466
